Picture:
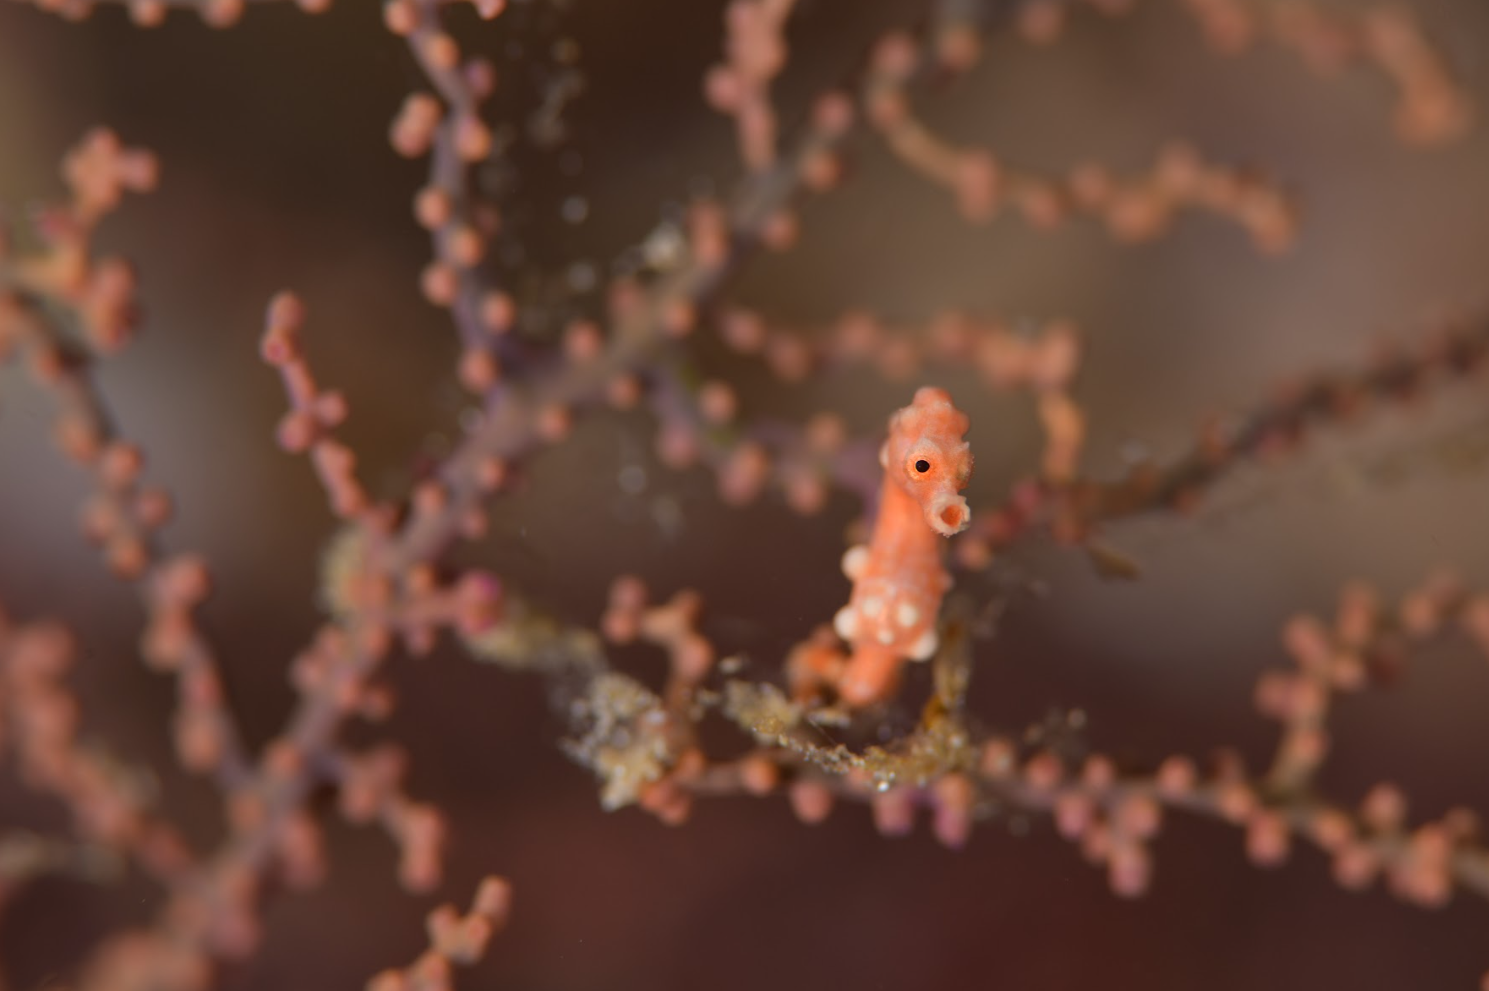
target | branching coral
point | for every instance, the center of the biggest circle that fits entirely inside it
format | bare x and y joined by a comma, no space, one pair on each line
818,725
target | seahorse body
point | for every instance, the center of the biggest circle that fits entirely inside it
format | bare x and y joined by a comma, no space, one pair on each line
898,578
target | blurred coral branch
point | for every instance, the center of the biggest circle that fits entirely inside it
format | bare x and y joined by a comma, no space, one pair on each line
389,582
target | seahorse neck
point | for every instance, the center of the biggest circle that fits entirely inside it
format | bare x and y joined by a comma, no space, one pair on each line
901,532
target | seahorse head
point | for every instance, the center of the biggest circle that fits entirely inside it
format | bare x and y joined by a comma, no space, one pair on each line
927,457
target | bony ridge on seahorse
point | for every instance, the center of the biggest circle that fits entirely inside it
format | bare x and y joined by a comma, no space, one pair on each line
898,576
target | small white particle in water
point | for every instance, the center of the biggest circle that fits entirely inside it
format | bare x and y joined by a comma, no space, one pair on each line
581,276
667,515
664,247
632,479
574,209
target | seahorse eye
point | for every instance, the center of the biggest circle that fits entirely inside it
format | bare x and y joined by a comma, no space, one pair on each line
922,466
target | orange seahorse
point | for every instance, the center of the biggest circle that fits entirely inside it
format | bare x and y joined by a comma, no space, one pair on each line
898,577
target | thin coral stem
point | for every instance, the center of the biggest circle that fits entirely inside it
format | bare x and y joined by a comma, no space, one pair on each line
1134,208
1008,791
960,775
109,800
740,86
1072,511
456,140
96,299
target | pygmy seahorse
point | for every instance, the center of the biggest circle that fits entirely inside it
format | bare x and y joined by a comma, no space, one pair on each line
898,577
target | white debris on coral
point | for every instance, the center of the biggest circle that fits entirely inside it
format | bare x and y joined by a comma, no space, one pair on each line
627,740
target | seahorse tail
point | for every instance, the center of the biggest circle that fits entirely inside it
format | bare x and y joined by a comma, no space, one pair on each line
872,673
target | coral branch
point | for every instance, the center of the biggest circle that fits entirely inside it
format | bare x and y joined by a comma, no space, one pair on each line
152,13
1072,511
455,138
314,413
1431,108
1134,209
839,729
109,801
453,939
943,766
67,283
756,54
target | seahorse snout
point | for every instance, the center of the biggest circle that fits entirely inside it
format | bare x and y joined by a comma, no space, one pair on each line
947,514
